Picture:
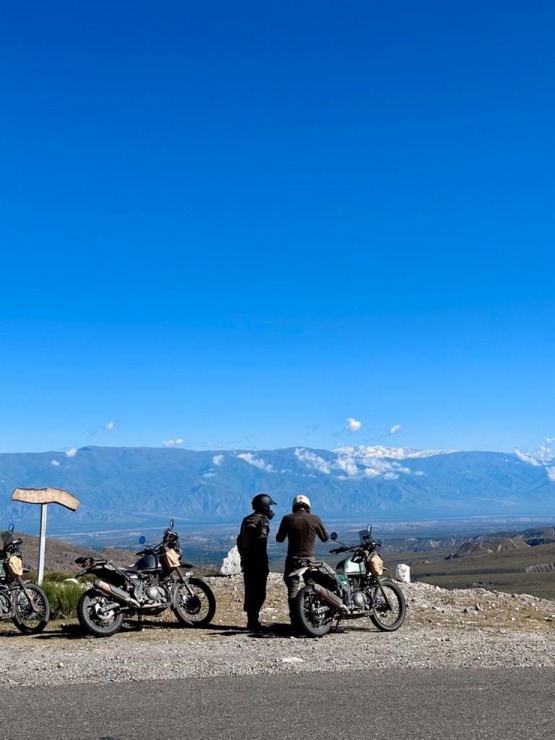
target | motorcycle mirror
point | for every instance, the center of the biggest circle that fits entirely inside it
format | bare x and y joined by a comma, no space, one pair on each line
171,523
142,539
333,536
10,527
369,528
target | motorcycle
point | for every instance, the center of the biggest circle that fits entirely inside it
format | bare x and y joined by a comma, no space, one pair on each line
355,589
23,602
156,582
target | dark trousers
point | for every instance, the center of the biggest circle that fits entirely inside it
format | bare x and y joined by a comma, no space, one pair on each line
294,584
255,580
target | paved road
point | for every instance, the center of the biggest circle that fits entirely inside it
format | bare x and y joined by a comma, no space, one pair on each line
443,704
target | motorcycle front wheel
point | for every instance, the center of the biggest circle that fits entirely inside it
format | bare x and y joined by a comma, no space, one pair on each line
388,606
30,620
194,604
313,615
93,616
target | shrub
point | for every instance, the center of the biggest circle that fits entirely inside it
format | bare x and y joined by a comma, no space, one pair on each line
63,598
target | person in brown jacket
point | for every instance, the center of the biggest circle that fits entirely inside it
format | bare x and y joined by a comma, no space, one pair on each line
300,529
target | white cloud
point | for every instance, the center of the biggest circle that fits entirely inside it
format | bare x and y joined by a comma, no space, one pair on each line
55,463
543,457
395,428
71,452
313,461
353,425
347,465
109,425
218,459
209,474
172,442
257,462
361,462
353,463
526,457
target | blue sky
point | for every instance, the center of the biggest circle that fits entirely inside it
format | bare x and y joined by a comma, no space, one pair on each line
239,225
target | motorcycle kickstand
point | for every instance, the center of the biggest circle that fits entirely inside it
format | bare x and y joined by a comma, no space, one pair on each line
337,629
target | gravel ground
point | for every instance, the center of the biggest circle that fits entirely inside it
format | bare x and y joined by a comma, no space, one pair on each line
461,628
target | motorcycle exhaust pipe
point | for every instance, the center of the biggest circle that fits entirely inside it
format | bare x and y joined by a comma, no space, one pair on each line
118,594
328,596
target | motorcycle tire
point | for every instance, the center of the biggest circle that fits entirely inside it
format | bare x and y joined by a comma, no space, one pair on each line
197,609
388,613
90,619
306,619
26,620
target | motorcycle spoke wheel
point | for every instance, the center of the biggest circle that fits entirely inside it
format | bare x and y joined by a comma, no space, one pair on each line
388,612
313,615
30,620
93,616
194,606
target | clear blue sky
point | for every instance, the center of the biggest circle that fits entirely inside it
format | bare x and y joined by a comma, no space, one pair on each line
241,224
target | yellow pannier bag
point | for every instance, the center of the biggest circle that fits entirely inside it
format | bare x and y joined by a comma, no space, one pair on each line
14,566
171,559
375,564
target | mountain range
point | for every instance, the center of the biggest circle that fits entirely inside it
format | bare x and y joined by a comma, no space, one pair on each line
116,484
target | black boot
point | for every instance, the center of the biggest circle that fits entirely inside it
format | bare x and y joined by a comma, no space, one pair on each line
253,623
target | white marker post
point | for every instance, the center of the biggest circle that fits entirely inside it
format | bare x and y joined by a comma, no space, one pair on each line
44,496
42,542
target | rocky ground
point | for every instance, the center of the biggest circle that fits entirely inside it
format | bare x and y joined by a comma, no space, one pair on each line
458,628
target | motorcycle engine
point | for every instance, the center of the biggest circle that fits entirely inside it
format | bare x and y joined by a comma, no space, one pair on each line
360,600
155,593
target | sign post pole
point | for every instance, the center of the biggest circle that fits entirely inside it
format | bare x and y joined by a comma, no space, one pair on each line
45,496
42,542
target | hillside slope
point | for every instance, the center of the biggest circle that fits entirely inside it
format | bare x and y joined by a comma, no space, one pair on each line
134,483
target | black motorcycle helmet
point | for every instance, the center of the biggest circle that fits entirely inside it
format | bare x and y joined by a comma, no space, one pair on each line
261,504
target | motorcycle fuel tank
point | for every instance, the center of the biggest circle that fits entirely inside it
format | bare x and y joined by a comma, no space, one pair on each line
349,568
148,562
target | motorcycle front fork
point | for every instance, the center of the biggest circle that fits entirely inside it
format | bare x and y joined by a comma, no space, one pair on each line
182,579
21,584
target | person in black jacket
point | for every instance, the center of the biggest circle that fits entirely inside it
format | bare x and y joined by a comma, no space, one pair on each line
252,543
300,529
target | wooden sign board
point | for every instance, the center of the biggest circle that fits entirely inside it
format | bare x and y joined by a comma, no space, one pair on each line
46,496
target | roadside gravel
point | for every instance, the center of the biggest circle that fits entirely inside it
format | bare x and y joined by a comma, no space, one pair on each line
462,628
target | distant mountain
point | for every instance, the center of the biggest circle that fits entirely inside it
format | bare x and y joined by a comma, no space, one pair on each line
133,484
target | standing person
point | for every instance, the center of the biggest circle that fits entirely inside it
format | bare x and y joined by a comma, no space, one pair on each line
252,543
300,528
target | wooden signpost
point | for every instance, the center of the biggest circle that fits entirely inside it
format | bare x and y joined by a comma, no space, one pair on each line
44,496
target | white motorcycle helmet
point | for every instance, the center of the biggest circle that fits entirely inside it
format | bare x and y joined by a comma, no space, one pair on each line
301,502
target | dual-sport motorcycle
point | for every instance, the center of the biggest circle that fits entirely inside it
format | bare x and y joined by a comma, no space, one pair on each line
356,588
23,602
153,584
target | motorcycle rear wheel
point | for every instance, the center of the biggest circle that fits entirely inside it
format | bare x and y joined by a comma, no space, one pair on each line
26,620
196,609
90,618
388,613
313,616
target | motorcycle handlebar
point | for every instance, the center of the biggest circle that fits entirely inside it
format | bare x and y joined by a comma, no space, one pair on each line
354,548
13,544
156,550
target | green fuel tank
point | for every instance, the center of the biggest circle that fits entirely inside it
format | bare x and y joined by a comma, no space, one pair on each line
350,569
